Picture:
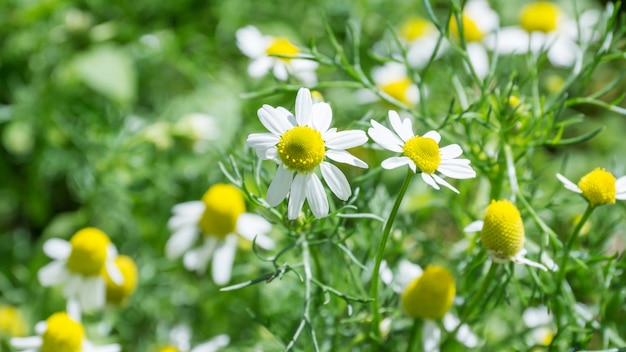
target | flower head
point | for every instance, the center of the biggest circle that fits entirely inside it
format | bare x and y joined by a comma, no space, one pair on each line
598,187
220,217
502,233
420,152
300,146
393,80
273,53
78,265
430,295
118,294
11,322
60,332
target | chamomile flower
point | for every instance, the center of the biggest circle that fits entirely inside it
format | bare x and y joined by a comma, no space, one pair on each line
478,20
392,79
598,187
300,145
544,27
502,233
78,265
429,294
62,331
118,294
221,218
262,50
540,322
420,152
180,337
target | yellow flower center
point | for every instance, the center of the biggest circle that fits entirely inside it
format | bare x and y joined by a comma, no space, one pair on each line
89,251
62,334
540,16
503,229
223,205
430,295
168,349
513,101
117,294
547,338
11,322
282,47
301,148
398,90
598,187
424,152
415,28
471,32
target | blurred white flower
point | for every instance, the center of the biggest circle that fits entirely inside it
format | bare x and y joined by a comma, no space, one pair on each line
200,128
300,145
262,50
78,265
220,217
392,79
180,337
540,321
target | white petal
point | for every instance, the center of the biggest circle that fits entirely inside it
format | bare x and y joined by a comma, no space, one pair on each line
223,260
404,129
197,259
456,168
482,15
297,195
73,309
250,41
213,344
57,248
346,139
568,184
434,135
443,182
262,140
111,251
73,286
41,327
53,273
407,272
509,40
26,342
321,117
475,226
563,52
192,207
537,316
343,156
181,241
430,181
92,293
254,228
520,259
336,181
280,70
450,151
304,106
620,185
105,348
260,66
384,137
280,186
273,120
114,272
478,58
316,197
431,335
395,162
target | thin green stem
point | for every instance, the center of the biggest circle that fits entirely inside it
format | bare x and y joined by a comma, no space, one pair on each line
569,245
415,335
381,252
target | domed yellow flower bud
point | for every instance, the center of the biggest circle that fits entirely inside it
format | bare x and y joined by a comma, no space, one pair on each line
430,295
62,334
118,294
503,230
598,187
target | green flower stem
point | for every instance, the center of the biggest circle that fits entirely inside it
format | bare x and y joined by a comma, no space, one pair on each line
381,252
415,335
568,247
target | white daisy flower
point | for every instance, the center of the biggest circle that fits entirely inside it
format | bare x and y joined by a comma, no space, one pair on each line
392,79
262,50
220,217
478,21
598,187
62,331
544,27
539,320
78,265
300,145
180,337
420,152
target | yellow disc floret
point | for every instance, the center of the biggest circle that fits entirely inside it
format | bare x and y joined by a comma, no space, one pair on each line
598,187
11,322
471,32
283,47
301,148
415,27
540,16
503,230
168,349
430,295
89,251
62,334
223,205
398,89
118,294
424,152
